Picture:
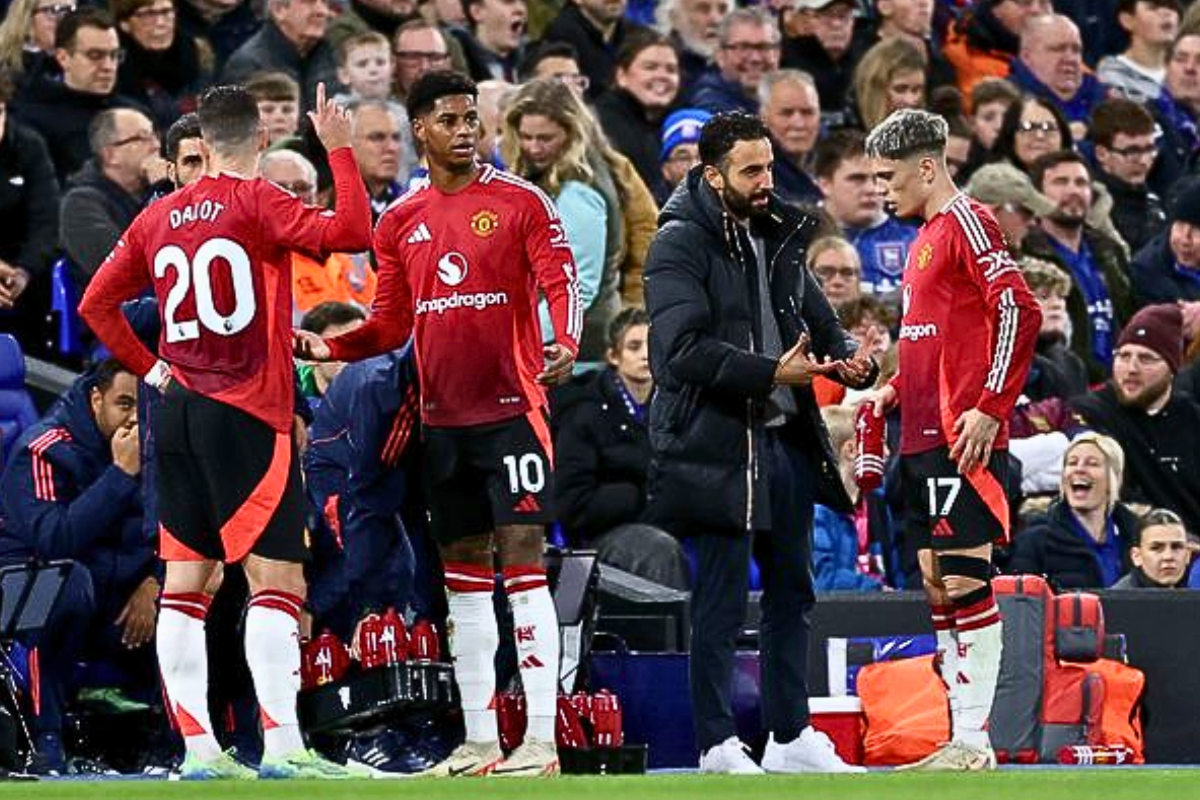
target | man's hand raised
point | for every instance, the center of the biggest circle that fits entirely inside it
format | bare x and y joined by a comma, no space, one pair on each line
797,368
856,369
309,346
330,121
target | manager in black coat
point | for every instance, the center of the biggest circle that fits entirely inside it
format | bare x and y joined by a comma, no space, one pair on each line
740,452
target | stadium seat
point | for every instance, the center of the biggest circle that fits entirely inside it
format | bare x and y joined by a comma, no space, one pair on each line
17,411
64,308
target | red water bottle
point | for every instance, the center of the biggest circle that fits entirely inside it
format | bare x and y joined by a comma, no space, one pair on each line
568,730
370,645
511,719
1095,754
423,642
393,638
869,459
323,660
606,720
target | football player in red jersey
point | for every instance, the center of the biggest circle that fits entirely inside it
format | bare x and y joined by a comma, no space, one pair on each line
966,342
217,253
461,261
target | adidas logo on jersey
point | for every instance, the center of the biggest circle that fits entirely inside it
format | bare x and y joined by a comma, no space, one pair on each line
421,234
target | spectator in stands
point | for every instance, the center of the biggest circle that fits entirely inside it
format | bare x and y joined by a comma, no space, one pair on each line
1168,267
1056,370
290,41
162,68
1138,72
554,61
71,491
1160,553
845,559
1103,298
1009,195
835,263
28,225
1158,428
693,26
990,98
419,46
822,39
384,17
27,37
912,20
327,318
680,148
222,26
891,75
1051,67
103,198
544,140
88,51
1031,128
748,50
342,277
645,89
1124,134
494,39
379,150
365,69
985,40
1083,543
1176,108
847,180
598,31
278,98
962,153
792,111
187,161
603,457
493,97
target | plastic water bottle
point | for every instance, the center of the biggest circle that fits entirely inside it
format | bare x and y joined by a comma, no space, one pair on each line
1095,754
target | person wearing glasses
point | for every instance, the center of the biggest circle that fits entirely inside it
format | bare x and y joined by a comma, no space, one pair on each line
1161,553
1124,134
162,68
748,50
110,190
1167,269
27,36
419,47
1176,111
1031,127
88,51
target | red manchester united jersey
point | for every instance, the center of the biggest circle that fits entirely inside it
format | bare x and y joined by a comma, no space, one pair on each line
218,255
462,272
968,328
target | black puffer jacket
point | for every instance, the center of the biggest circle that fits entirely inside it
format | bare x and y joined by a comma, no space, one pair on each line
707,416
1053,548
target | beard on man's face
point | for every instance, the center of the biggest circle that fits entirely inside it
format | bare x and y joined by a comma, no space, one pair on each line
745,206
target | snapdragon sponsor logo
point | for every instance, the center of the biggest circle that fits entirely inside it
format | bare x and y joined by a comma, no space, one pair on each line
474,300
915,333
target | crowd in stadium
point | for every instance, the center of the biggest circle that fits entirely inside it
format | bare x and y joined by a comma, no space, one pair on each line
1079,135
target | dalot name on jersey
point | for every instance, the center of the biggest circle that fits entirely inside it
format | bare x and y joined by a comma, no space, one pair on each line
206,211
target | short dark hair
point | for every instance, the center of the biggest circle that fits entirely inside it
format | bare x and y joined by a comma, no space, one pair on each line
636,42
1044,163
433,86
867,306
722,132
839,146
186,127
527,69
324,316
1129,6
1153,517
622,322
105,373
273,87
228,116
69,25
1118,115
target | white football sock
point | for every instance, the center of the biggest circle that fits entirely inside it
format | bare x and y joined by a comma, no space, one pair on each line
947,653
183,662
273,654
474,638
980,639
535,628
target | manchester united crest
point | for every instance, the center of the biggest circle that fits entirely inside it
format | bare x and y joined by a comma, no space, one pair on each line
925,256
484,223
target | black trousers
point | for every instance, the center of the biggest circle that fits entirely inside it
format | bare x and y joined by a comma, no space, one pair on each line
719,595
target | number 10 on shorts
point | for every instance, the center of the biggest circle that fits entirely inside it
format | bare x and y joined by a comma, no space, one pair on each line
526,473
947,490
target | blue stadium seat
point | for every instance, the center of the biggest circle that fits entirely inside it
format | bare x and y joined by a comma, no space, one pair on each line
64,305
17,411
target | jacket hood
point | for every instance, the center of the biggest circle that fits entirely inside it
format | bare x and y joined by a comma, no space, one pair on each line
695,201
73,411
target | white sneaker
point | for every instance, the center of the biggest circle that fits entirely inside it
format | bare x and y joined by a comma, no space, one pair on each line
534,758
811,751
955,757
730,757
468,759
